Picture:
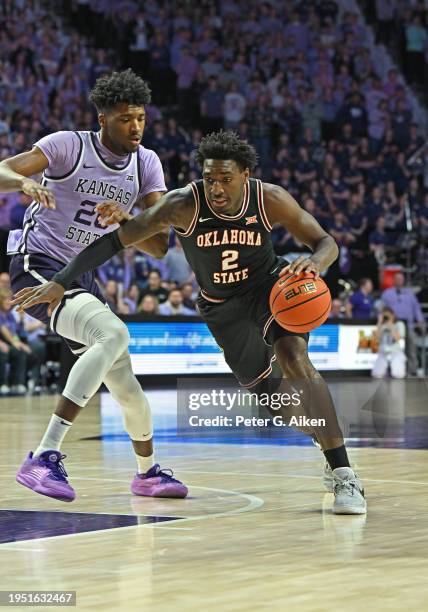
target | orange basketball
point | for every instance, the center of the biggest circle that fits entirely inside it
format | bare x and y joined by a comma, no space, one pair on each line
300,303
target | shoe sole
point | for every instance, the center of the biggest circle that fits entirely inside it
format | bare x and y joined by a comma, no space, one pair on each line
22,482
165,493
349,510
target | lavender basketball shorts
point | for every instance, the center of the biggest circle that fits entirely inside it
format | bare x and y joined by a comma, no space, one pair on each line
31,270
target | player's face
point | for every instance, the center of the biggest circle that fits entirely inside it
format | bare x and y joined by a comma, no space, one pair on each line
224,184
122,128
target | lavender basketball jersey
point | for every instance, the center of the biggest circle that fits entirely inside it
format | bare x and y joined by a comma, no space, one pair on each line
82,173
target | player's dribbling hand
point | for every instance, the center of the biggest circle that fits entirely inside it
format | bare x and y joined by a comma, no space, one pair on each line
50,292
110,213
301,264
39,193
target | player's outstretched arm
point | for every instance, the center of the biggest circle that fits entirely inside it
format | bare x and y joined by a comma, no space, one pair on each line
111,213
174,208
14,173
282,208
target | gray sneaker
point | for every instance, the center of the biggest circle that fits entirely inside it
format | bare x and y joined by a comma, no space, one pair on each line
327,477
348,492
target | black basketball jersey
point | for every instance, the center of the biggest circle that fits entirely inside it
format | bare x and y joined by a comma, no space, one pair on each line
229,254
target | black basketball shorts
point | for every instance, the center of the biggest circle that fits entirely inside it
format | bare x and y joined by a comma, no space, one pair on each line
244,328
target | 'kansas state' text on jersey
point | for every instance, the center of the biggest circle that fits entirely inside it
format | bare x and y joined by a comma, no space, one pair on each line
62,233
229,254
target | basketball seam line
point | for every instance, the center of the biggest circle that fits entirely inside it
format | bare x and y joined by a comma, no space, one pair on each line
309,322
280,278
301,303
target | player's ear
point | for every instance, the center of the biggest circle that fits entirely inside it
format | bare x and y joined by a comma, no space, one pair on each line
101,119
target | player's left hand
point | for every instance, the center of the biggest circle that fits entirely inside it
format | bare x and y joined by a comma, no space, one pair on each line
50,292
110,213
301,264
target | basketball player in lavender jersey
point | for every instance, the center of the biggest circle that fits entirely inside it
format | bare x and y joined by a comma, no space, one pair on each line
224,223
80,170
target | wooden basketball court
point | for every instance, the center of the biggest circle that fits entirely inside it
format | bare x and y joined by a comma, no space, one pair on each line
256,531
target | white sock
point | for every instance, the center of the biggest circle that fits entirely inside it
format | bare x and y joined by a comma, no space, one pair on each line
54,435
145,463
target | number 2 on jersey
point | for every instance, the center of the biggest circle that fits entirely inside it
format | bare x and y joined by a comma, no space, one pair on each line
84,216
229,260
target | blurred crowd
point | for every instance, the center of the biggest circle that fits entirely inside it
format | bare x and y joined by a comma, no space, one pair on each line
298,79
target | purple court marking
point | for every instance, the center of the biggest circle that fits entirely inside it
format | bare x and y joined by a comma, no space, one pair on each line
20,525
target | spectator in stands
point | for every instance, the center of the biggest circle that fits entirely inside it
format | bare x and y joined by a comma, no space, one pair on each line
4,280
416,37
131,298
353,176
361,303
111,294
306,170
186,69
6,204
118,270
178,269
212,106
312,111
174,305
33,333
17,352
404,303
401,121
341,231
390,335
330,107
340,191
149,305
385,12
234,107
379,242
189,296
337,310
154,287
353,112
18,211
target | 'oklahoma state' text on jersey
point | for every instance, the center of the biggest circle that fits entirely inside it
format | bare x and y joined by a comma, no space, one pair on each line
229,254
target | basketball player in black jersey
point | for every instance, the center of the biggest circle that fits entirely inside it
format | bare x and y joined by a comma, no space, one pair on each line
224,223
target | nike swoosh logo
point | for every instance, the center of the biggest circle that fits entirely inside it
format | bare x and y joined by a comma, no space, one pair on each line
201,220
86,166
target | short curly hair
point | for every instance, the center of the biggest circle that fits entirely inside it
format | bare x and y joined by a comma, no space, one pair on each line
117,88
226,145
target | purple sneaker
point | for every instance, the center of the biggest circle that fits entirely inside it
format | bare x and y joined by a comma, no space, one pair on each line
46,475
158,483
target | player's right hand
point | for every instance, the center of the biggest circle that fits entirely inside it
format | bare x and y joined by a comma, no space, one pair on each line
50,292
110,213
39,193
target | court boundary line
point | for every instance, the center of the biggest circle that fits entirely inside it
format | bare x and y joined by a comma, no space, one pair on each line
254,502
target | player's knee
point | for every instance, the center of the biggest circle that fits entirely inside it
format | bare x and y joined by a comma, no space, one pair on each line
292,354
118,335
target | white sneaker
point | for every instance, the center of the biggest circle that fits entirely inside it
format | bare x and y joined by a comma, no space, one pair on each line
4,390
327,477
348,492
